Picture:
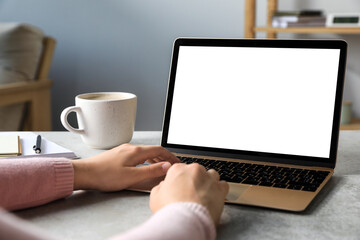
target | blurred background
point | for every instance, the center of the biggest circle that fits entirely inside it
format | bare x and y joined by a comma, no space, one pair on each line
125,45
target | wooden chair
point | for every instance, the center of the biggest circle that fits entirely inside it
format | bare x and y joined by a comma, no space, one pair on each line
36,94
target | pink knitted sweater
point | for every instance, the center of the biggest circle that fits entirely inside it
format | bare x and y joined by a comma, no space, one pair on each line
36,181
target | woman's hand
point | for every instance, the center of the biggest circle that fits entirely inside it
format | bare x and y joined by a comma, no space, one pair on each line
116,169
191,183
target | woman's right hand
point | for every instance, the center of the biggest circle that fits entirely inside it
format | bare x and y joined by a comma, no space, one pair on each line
191,183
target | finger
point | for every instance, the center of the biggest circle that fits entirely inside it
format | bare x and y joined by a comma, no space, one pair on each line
214,174
158,159
224,186
155,189
142,153
161,159
151,161
154,203
150,171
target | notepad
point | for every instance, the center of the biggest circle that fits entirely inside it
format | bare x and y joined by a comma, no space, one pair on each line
48,148
10,145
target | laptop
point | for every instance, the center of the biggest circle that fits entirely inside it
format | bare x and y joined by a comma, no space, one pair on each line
264,113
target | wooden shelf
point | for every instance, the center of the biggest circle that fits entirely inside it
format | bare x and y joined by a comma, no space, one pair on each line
354,125
272,5
309,30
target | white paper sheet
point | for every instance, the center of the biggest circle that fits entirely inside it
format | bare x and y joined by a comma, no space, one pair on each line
48,148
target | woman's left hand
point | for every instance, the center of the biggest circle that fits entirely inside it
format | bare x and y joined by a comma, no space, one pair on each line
116,169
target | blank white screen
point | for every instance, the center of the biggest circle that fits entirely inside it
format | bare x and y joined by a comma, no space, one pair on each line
276,100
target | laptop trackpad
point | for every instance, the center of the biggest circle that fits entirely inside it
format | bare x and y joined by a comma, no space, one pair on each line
235,191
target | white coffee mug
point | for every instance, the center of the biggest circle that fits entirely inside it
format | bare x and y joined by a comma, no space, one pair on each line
105,119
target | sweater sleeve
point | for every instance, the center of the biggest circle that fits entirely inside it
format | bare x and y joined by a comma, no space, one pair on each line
176,221
31,182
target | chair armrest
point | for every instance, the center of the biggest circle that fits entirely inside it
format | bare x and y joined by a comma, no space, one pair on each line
22,91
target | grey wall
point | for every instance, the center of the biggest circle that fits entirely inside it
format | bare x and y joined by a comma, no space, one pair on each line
125,45
121,45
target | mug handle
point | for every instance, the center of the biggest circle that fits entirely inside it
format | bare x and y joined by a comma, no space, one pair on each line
64,121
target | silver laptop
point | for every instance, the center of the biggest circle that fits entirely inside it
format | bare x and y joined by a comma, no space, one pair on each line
264,113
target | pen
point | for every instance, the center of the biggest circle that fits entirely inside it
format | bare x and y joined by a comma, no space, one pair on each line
37,147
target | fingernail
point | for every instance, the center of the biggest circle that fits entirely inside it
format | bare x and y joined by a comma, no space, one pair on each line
166,166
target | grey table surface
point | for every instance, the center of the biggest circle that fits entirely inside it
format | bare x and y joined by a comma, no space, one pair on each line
334,213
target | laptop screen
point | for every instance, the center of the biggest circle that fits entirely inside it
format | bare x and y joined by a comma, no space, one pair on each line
265,99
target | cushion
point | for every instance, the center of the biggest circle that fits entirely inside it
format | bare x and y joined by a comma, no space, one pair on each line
20,51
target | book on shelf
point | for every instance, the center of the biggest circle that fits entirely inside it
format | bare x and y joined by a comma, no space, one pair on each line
299,13
298,19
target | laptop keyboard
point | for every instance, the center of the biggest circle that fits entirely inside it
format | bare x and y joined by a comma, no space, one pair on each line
263,175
